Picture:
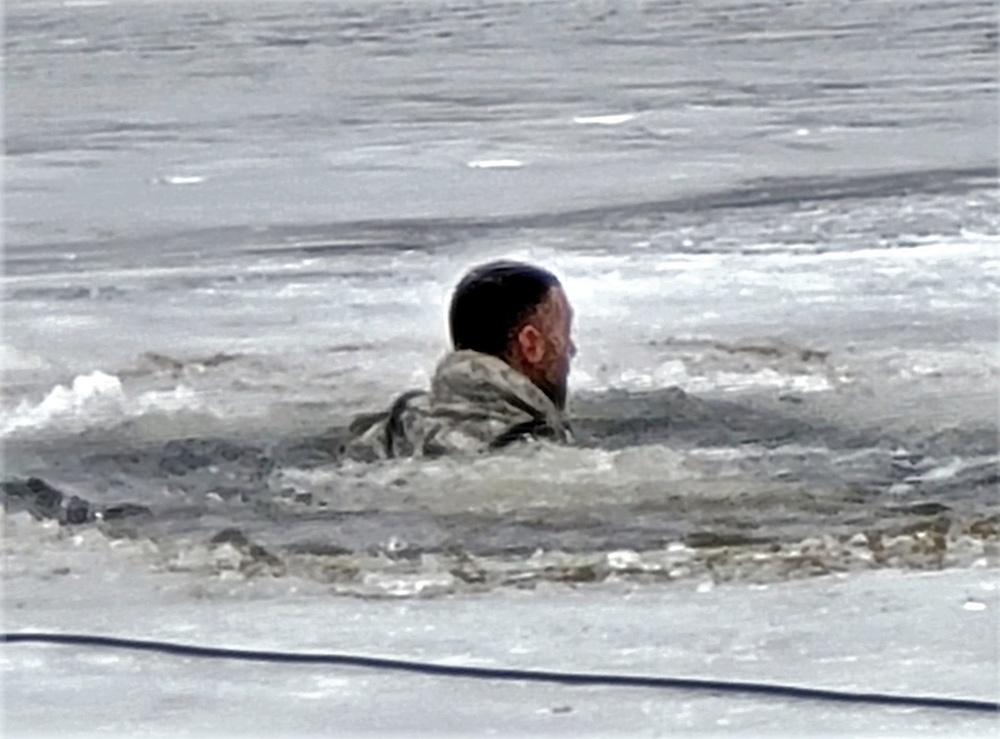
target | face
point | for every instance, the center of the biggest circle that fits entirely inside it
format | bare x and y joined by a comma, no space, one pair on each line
547,346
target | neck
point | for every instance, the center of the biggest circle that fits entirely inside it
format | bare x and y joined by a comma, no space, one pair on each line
517,362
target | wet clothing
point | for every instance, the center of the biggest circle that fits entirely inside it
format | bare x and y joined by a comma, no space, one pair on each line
476,403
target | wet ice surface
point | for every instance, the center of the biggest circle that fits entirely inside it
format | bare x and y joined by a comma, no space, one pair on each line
305,112
861,284
921,634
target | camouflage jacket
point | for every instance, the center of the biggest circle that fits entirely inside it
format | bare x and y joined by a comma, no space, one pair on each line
476,403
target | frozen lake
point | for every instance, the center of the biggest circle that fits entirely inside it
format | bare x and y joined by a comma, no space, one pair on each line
231,226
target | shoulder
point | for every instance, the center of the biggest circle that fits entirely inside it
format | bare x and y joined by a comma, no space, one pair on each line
390,433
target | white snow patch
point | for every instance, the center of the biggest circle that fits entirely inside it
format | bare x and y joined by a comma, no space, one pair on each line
495,164
181,180
604,120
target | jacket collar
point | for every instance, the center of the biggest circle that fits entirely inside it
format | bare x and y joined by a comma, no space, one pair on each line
468,378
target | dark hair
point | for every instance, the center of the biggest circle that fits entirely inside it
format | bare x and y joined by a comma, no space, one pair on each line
492,301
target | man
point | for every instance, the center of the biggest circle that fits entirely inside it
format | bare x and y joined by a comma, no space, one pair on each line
505,381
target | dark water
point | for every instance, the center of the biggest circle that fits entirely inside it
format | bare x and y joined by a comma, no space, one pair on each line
734,489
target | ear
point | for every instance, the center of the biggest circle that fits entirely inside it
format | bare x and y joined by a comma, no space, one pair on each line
531,344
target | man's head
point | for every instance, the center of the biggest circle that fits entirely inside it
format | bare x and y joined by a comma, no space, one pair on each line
520,314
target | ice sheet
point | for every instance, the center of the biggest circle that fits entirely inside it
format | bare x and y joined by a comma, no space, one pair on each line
917,633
